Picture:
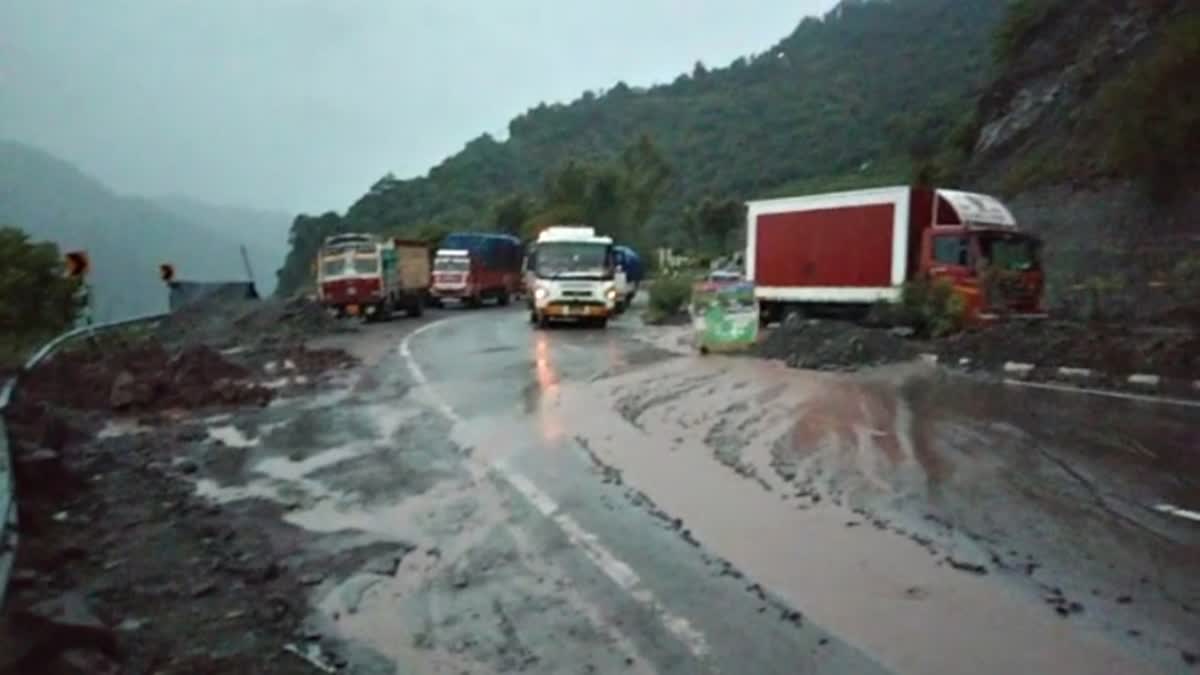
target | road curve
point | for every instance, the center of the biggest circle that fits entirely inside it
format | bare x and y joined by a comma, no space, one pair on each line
913,523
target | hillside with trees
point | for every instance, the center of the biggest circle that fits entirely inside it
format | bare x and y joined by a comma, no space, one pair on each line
853,98
1089,129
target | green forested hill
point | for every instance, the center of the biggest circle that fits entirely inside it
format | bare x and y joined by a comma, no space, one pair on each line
842,100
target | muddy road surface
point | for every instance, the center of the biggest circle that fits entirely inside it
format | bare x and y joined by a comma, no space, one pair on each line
572,500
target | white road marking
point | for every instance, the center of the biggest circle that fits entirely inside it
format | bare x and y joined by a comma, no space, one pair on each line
1176,511
614,568
1102,392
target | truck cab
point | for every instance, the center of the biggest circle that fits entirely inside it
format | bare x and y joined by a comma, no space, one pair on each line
366,276
571,274
471,267
993,266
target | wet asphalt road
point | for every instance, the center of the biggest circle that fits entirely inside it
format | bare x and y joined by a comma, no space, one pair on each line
599,501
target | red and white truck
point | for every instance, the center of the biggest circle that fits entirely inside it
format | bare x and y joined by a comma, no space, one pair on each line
852,249
470,267
370,276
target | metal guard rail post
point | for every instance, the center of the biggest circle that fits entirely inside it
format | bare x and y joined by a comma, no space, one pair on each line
8,498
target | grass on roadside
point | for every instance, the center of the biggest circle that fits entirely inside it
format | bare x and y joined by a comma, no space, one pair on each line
669,296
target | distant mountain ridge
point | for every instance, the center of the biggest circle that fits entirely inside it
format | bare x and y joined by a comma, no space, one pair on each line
126,237
264,233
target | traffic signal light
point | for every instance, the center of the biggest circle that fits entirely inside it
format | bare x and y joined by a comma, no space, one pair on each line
77,264
167,272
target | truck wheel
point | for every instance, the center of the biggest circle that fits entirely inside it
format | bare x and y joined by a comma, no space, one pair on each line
602,322
533,317
504,299
415,307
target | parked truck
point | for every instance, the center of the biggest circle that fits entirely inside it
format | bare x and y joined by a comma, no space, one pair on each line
471,267
628,276
371,277
571,273
852,249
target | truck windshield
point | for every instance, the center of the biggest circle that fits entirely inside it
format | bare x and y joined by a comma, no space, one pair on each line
1013,253
333,267
460,264
575,258
364,265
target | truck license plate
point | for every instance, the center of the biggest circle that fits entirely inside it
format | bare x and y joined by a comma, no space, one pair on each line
352,310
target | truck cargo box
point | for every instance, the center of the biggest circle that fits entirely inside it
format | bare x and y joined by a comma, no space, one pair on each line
847,247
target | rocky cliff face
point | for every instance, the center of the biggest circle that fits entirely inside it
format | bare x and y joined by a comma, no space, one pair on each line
1047,138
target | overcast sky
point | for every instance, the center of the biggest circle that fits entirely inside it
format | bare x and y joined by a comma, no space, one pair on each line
302,104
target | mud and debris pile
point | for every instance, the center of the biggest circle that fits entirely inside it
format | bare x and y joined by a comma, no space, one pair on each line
834,345
226,323
122,569
1110,350
141,378
1102,348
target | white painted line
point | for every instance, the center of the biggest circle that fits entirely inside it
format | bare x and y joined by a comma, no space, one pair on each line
540,500
616,570
1082,373
1145,380
1176,511
1018,368
1103,392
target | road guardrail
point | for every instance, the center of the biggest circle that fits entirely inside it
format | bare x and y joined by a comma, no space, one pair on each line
8,497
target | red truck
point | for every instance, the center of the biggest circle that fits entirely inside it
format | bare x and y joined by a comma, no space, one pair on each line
370,276
852,249
471,267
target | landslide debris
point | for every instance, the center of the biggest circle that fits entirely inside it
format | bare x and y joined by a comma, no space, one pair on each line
1104,348
224,323
1108,349
142,378
834,345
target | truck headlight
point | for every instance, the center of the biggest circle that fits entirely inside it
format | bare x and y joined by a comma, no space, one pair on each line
611,293
541,293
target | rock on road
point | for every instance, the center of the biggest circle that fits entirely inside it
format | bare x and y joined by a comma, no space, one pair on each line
573,500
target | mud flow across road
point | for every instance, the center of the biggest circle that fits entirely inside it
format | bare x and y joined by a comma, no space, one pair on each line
481,496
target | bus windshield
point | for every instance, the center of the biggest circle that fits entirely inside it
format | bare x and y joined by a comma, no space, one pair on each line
561,258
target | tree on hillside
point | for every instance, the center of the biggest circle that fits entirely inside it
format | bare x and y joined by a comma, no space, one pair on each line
616,198
713,223
307,235
646,174
511,213
36,299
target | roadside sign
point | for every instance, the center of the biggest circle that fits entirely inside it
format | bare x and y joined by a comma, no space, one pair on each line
77,264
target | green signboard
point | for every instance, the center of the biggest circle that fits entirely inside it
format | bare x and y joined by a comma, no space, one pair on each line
725,315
